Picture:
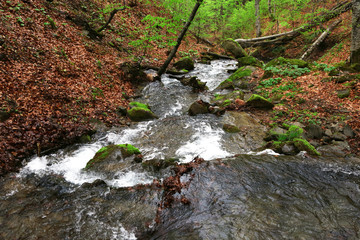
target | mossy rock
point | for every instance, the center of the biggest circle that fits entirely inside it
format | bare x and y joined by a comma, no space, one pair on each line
283,61
344,78
237,79
249,61
226,84
234,48
140,112
185,63
140,105
126,150
229,128
220,100
258,101
195,83
303,145
343,93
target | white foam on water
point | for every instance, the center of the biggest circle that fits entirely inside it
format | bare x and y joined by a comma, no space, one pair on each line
130,179
205,143
265,152
70,166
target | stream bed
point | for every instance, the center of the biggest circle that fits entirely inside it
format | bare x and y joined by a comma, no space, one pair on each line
234,194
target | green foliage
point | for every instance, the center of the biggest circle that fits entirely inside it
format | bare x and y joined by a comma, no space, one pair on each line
20,21
323,67
288,70
158,31
270,82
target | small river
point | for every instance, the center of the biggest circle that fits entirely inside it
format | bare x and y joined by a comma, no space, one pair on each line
250,196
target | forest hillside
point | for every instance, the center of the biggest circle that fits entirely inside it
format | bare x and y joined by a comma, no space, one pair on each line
62,76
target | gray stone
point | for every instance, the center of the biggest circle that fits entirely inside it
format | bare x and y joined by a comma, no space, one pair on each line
289,149
314,131
348,131
258,101
328,132
339,136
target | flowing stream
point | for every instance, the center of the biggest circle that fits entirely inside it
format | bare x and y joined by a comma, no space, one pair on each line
245,197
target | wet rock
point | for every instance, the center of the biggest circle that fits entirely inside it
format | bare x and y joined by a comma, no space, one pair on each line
314,131
4,116
185,63
133,72
199,107
230,128
343,93
251,133
195,83
140,112
113,158
158,164
258,101
336,149
85,138
234,48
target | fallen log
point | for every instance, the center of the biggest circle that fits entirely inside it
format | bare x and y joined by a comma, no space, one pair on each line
334,12
320,39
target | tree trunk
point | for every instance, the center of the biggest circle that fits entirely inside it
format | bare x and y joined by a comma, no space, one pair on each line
257,15
355,36
320,39
112,14
181,36
336,11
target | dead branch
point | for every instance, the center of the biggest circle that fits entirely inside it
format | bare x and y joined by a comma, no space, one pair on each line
112,14
320,39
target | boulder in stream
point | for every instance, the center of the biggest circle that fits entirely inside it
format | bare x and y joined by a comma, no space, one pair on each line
140,112
195,83
199,107
113,158
184,63
238,79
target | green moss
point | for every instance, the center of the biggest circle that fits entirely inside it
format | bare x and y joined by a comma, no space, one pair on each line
284,61
294,132
126,149
240,73
258,101
139,105
303,145
230,128
249,61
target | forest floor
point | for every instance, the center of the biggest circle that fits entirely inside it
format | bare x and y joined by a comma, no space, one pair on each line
57,83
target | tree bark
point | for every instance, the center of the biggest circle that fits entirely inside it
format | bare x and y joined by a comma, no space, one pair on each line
336,11
112,14
257,15
355,36
181,36
320,39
